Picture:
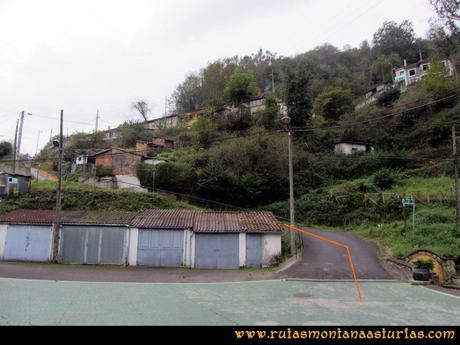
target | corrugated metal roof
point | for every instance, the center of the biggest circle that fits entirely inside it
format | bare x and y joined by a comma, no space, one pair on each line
100,217
164,219
41,217
259,222
217,222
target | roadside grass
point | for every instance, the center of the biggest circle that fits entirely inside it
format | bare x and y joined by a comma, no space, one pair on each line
424,187
434,230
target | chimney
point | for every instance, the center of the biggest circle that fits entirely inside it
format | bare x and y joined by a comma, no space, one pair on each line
405,63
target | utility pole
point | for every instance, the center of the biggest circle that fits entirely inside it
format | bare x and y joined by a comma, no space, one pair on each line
38,139
97,120
21,123
287,120
291,181
15,147
51,134
455,161
57,218
153,178
273,82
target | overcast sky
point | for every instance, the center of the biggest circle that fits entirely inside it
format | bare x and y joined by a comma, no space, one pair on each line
87,54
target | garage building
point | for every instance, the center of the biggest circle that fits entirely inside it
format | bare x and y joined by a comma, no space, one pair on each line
156,238
203,239
97,237
26,235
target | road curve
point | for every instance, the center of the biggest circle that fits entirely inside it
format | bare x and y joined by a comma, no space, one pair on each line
324,260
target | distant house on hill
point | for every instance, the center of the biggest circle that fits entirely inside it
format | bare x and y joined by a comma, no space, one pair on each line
143,146
15,183
351,147
111,133
122,162
414,72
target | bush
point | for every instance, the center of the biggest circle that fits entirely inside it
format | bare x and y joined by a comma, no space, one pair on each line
384,179
424,264
388,97
131,131
5,148
332,103
102,170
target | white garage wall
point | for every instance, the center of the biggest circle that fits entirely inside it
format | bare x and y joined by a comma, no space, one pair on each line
188,248
271,246
242,249
132,250
192,249
3,228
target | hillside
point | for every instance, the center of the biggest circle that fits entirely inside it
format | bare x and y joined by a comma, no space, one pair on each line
78,196
231,156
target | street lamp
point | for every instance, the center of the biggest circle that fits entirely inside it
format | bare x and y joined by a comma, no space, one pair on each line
286,120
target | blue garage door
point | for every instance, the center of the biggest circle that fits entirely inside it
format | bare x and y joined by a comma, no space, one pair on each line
217,251
93,245
160,248
253,250
28,243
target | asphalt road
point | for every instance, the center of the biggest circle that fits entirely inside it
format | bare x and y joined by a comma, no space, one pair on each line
323,260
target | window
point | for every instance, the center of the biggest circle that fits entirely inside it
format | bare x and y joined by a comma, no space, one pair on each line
412,72
426,67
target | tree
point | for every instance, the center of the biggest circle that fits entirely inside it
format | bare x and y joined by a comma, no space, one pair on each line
188,95
395,38
240,88
298,97
449,12
142,107
271,113
202,132
332,103
131,131
437,81
388,97
5,149
214,78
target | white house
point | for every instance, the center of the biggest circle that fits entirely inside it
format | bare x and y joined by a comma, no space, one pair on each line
349,148
413,73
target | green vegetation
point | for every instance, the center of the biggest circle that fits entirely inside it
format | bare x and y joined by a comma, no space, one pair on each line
5,149
424,264
332,103
240,88
76,196
434,230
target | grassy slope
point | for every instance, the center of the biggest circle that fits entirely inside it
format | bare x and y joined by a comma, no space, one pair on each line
434,228
78,196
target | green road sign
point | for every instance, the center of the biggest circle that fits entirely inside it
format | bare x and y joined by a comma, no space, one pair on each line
408,201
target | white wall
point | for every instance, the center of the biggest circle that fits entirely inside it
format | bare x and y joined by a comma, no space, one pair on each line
3,228
348,149
187,258
192,249
242,249
271,246
132,246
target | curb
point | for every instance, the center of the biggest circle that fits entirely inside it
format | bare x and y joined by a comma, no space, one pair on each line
346,280
289,262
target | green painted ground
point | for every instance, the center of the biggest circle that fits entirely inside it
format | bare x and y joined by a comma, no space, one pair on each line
270,302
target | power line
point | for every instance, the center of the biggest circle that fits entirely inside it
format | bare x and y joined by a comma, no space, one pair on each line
353,123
